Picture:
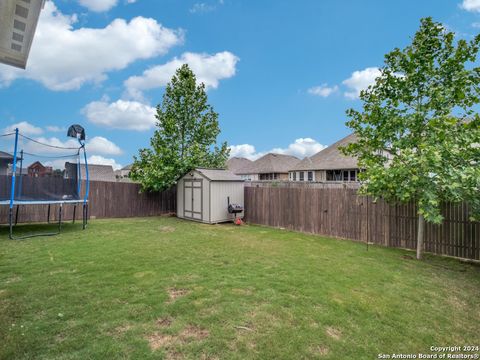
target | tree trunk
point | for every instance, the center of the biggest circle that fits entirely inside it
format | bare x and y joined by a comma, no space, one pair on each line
420,236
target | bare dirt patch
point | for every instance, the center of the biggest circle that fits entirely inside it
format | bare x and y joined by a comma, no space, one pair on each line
166,229
189,334
192,332
164,322
13,279
122,329
174,293
320,350
242,291
334,333
158,340
457,303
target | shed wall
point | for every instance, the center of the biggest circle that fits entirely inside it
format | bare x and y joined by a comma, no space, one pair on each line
220,191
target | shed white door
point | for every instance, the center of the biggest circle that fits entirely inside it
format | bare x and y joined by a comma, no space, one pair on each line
193,199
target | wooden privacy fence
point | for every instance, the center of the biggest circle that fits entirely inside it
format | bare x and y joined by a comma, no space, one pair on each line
106,200
340,212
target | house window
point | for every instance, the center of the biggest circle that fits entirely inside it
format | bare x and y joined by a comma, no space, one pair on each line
294,176
353,175
337,175
310,176
302,176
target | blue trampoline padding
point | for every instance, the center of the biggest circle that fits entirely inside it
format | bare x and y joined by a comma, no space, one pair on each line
42,202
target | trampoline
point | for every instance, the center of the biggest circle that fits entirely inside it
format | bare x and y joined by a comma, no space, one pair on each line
47,173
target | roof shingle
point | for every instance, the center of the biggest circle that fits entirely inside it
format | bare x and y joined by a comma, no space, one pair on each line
236,164
330,158
271,163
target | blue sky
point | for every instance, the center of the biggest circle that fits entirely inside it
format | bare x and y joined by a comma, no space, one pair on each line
280,73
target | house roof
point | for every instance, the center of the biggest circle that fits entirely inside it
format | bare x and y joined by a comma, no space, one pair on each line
236,164
36,164
271,163
127,167
330,158
95,172
17,15
218,174
4,155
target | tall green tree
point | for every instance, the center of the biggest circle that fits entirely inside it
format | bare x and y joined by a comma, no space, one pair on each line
418,133
185,138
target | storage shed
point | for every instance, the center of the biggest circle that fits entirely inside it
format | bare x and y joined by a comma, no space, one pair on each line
203,195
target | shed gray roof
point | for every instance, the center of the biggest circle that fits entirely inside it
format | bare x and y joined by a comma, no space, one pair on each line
218,175
236,164
271,163
330,158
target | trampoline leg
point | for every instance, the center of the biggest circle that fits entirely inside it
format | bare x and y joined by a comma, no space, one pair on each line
60,218
74,213
48,214
16,215
10,223
85,216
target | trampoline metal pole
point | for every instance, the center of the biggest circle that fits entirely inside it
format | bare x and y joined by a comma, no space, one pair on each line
74,213
84,216
12,191
16,215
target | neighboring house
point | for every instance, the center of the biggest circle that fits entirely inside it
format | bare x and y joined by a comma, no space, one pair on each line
269,167
236,164
37,169
327,165
124,172
5,160
95,172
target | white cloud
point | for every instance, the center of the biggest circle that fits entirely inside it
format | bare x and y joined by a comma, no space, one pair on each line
121,114
300,148
201,8
323,90
471,5
101,145
244,150
24,128
100,160
54,128
98,5
53,146
360,80
209,69
63,58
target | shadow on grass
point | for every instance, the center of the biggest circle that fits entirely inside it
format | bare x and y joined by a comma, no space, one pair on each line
40,229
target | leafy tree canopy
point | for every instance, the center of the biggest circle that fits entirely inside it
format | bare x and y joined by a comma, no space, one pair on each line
185,138
418,133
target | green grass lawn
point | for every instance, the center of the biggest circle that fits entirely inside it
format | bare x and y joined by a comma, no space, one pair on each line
165,288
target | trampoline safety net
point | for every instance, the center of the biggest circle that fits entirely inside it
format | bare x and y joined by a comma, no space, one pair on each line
43,171
47,170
